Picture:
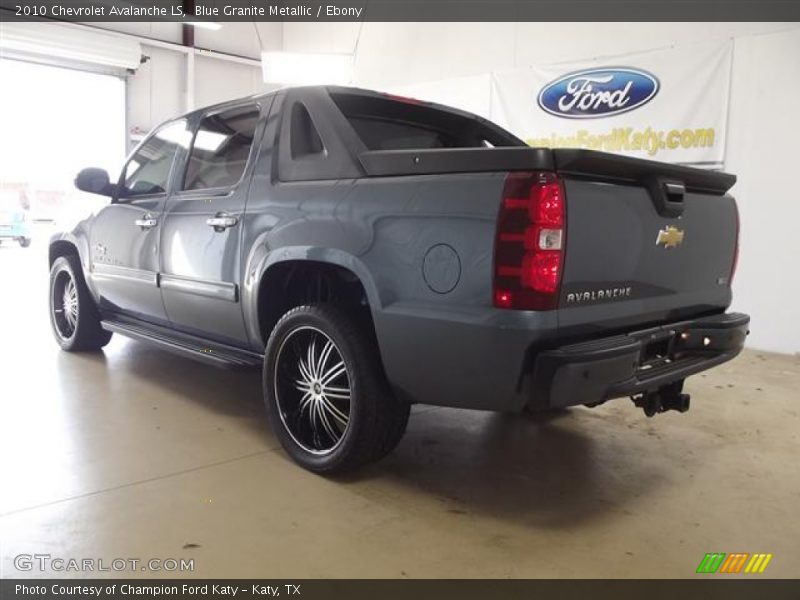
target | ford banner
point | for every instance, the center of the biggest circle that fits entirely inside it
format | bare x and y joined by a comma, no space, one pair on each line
669,104
594,93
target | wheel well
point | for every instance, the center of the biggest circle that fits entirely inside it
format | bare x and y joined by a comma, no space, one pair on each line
61,248
295,283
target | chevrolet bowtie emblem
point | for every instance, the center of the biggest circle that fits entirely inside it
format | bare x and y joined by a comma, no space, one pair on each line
671,237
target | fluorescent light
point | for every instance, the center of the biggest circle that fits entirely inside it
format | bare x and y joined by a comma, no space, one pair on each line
18,40
295,68
205,25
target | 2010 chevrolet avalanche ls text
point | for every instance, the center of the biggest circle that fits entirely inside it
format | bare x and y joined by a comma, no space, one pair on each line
369,252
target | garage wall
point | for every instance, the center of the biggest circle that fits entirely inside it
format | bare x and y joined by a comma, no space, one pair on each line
762,150
157,91
159,88
763,132
218,80
400,53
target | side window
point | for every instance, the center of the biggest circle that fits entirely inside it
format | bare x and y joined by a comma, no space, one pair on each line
221,147
147,172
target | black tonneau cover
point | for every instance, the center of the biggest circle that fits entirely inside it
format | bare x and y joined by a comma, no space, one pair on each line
572,162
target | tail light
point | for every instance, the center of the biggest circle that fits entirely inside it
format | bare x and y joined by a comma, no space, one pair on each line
529,248
736,248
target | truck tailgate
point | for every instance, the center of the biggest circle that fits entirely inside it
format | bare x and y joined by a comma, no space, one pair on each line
646,242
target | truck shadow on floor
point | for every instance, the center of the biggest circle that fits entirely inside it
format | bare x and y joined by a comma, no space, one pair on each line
550,472
543,472
127,364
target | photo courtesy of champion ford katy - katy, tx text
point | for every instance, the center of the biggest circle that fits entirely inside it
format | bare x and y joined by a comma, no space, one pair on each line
357,299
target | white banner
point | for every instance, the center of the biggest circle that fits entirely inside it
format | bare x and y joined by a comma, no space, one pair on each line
669,105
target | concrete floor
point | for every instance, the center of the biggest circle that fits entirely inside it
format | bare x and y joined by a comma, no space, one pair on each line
136,453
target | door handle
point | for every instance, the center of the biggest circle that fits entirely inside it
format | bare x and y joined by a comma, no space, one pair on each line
147,222
221,221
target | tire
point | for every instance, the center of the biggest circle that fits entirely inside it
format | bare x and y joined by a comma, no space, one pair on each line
327,398
73,314
24,241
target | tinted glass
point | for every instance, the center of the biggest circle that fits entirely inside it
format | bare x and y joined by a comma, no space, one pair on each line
392,135
220,150
147,172
390,123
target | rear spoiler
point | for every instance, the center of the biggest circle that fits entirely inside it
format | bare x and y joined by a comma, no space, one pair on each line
584,164
383,163
623,169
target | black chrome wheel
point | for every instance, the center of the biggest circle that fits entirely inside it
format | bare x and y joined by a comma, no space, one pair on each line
326,395
312,390
73,315
64,304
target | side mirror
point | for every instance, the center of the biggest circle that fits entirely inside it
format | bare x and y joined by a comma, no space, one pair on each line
94,181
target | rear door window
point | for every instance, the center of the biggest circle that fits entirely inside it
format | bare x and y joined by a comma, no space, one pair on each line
221,148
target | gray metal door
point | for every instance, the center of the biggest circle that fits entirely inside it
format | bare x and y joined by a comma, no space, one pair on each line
124,238
201,231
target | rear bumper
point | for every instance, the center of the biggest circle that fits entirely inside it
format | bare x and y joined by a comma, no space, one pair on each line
637,362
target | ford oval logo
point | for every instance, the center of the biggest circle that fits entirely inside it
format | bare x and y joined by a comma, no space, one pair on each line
597,93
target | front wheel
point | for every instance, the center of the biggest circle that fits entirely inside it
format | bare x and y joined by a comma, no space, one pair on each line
327,398
24,242
73,314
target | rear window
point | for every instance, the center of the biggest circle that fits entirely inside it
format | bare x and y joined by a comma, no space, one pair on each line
379,134
387,123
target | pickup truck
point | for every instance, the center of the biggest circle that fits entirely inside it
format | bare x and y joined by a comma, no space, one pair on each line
14,217
369,252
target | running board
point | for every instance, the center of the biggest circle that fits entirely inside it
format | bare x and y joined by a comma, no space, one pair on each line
219,355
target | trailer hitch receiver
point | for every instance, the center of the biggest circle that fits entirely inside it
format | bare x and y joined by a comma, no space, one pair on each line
668,397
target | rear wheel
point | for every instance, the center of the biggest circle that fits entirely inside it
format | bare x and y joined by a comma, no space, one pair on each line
24,241
73,314
326,395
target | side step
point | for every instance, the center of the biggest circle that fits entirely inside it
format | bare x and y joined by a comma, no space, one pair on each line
214,353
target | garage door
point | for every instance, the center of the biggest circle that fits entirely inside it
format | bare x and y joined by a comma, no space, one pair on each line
53,122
